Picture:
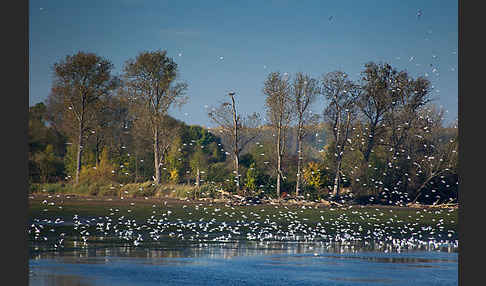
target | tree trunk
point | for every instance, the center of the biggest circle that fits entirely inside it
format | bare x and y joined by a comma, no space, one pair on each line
335,191
299,164
156,158
279,160
235,143
367,152
198,176
79,154
136,168
237,175
341,149
371,141
97,151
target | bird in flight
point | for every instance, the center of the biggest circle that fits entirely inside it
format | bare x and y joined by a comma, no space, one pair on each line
419,13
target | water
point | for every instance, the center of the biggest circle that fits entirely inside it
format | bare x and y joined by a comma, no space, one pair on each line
243,263
152,243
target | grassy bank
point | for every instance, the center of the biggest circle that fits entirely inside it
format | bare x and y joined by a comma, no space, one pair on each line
362,221
107,189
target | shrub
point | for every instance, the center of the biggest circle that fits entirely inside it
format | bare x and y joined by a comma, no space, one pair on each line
109,191
210,190
34,188
145,189
54,188
184,191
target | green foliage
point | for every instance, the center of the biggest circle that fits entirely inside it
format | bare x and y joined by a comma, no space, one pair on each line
119,123
124,166
314,175
198,161
46,147
89,158
246,160
102,171
218,172
96,180
210,190
70,160
174,161
215,153
253,178
47,163
49,188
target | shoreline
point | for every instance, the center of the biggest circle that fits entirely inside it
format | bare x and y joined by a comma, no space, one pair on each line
97,200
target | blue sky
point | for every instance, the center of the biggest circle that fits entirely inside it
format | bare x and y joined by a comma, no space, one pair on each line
254,38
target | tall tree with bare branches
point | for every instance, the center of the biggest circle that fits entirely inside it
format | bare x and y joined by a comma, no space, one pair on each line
342,95
304,92
80,81
239,130
279,114
436,151
151,78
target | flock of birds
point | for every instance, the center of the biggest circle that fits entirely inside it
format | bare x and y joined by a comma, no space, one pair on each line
216,224
204,223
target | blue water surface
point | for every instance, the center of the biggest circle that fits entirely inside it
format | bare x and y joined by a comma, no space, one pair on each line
244,265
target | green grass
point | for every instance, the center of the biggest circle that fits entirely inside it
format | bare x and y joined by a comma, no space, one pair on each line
357,217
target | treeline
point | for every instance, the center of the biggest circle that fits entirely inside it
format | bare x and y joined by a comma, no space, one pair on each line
378,140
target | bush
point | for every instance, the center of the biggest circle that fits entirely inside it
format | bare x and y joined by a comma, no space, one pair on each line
145,189
209,190
34,188
109,191
176,191
54,188
184,191
218,172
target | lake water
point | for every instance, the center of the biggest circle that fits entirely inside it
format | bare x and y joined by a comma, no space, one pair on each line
243,263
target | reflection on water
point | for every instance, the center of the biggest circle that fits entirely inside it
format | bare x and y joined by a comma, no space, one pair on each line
51,279
226,249
250,263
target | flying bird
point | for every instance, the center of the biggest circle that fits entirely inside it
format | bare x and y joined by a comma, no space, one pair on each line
419,14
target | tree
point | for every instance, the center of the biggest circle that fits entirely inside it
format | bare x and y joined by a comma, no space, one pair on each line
374,102
252,177
304,92
40,136
402,122
313,175
79,82
340,113
439,149
174,159
151,80
198,163
409,96
240,131
114,124
46,162
279,114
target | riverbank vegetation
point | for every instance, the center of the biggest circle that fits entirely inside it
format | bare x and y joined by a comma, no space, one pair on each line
379,140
